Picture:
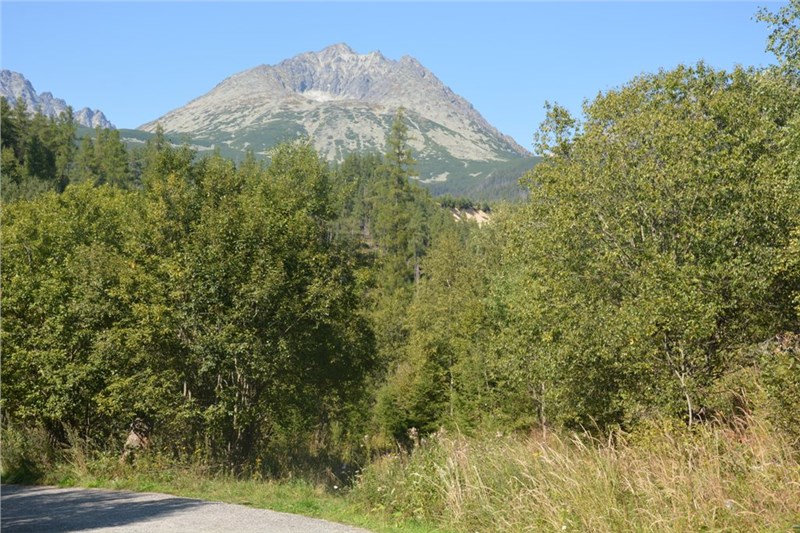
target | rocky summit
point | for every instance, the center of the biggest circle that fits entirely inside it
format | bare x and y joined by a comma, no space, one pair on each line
345,102
15,87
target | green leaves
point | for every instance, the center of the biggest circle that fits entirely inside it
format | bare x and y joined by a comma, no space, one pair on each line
784,40
399,159
650,236
37,151
62,268
213,303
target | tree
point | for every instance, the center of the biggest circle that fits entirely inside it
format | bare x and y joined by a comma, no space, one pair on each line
271,320
112,158
443,379
9,134
645,252
784,41
213,303
23,122
64,289
38,152
399,158
64,146
85,167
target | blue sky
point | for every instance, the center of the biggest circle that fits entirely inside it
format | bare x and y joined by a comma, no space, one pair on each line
137,60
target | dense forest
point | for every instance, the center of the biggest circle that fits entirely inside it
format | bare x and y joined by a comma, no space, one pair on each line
266,314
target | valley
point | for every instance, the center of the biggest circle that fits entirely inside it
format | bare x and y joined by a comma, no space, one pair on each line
330,286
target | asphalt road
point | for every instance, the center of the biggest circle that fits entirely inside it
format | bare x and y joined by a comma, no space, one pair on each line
54,510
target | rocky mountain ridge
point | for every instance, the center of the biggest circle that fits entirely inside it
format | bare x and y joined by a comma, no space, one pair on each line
345,102
14,87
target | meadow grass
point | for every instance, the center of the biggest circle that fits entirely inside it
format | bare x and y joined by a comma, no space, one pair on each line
664,477
30,457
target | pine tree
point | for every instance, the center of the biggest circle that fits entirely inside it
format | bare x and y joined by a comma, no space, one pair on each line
399,158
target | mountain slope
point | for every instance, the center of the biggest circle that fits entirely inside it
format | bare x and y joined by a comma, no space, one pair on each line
345,102
14,86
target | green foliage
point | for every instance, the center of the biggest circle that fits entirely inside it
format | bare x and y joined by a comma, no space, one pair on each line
443,380
42,154
397,217
780,362
8,126
63,282
273,317
213,303
37,151
645,253
399,159
103,160
27,454
784,41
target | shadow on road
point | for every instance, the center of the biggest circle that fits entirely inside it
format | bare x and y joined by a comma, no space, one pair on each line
59,510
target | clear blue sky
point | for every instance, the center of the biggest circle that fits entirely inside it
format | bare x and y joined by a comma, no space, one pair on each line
137,60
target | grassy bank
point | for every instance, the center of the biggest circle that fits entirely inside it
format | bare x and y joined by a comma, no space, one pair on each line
665,477
29,457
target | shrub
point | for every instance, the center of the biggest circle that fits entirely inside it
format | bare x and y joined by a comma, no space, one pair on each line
780,364
28,454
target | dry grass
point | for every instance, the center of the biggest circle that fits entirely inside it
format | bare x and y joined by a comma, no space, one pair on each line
30,455
663,478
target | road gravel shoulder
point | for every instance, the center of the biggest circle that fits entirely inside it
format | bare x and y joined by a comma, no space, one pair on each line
58,510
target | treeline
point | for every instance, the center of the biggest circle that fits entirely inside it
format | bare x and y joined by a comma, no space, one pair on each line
231,307
42,154
258,312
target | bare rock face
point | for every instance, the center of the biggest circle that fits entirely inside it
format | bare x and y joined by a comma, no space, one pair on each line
92,118
344,101
15,87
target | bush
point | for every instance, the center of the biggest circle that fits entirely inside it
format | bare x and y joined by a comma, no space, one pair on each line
780,365
735,397
28,454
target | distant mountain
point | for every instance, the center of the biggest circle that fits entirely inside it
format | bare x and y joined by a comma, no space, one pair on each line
14,87
345,102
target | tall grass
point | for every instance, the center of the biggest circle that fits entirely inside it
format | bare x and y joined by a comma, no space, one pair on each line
666,477
30,455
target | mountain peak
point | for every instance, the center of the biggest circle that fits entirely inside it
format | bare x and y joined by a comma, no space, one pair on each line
15,87
339,49
345,102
